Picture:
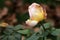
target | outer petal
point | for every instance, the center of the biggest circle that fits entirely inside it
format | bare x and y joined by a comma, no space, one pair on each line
31,23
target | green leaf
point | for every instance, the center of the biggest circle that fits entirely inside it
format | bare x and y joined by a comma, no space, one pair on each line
9,27
18,27
56,32
35,36
8,30
11,37
26,31
5,38
47,25
17,36
42,32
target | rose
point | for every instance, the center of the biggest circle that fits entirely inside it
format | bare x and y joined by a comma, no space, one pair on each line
36,13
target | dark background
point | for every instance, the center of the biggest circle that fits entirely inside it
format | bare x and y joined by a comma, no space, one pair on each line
18,11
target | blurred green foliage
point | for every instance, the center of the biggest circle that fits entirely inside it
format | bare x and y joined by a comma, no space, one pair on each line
16,32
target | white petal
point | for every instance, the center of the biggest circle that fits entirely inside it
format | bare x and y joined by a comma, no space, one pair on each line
31,22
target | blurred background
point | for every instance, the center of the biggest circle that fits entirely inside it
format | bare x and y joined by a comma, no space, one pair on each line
15,12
